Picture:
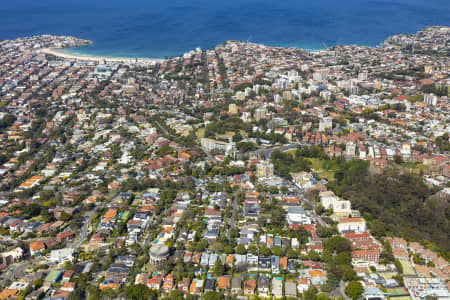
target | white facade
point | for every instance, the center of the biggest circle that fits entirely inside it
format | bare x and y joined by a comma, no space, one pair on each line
61,256
325,124
430,99
357,225
212,145
297,215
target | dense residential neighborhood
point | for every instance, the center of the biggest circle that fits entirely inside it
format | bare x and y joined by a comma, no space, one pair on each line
244,171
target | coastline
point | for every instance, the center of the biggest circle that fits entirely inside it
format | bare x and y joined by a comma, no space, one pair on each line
57,53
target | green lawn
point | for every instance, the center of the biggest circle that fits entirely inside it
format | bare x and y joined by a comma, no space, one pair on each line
316,164
388,275
291,152
403,298
200,133
407,267
136,202
415,168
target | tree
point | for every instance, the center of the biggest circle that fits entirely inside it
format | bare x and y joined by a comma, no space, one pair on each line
93,293
246,146
240,249
291,253
213,296
327,256
218,247
234,232
310,294
65,216
32,210
228,249
354,289
219,268
277,251
140,291
253,249
377,228
313,255
264,251
201,245
320,209
398,159
176,295
343,258
399,279
337,244
237,137
347,272
400,201
285,163
38,283
6,121
110,293
322,296
273,190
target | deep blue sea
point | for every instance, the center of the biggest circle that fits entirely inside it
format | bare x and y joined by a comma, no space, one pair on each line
149,28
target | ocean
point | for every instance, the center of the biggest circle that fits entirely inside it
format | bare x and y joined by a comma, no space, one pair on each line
157,29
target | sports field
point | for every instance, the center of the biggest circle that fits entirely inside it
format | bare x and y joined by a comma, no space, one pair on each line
403,298
397,292
388,275
407,267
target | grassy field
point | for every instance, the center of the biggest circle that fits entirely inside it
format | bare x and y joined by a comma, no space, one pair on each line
200,133
407,267
415,168
316,164
136,202
291,152
403,298
388,275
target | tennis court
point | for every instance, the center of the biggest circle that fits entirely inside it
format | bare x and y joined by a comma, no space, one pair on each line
395,292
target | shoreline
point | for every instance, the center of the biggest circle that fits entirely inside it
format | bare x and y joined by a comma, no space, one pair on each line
55,52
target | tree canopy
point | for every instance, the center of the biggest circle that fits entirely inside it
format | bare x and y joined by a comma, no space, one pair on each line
354,289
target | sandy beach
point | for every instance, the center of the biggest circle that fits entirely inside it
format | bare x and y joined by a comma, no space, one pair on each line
57,53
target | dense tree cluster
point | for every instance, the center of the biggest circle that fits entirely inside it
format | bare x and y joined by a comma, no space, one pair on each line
338,256
395,203
284,163
6,121
228,125
443,143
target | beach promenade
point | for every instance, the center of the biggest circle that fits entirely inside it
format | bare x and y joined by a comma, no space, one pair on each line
56,52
